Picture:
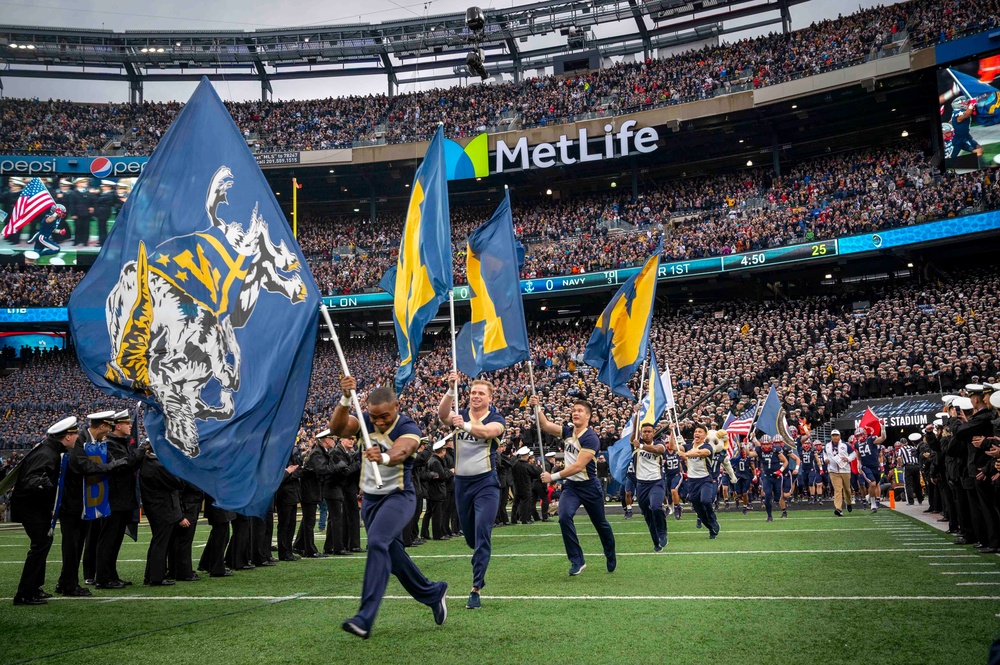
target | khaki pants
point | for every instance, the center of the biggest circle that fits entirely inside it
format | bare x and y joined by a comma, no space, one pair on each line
841,489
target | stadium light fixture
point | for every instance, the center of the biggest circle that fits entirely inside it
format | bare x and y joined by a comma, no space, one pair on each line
13,45
549,192
749,162
905,134
690,299
795,106
543,308
177,44
357,210
277,193
305,39
828,276
31,47
160,50
613,184
909,265
741,140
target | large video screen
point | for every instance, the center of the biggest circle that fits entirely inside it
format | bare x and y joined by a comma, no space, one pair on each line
61,237
969,103
17,343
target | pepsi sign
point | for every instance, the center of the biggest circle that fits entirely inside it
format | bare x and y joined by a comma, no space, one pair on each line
99,167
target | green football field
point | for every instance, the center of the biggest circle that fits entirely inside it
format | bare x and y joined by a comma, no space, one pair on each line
809,589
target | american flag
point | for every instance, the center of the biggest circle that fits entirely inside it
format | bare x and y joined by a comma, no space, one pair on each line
741,426
34,199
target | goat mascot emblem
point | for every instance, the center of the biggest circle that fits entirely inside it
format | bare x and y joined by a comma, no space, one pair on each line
173,315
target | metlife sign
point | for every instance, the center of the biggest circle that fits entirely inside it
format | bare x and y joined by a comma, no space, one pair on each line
567,151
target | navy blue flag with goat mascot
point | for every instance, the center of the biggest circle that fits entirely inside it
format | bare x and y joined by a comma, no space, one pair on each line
201,305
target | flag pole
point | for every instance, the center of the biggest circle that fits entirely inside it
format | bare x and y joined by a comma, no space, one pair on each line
295,208
538,423
642,384
354,394
454,345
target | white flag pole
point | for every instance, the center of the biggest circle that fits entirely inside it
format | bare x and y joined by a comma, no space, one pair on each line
354,394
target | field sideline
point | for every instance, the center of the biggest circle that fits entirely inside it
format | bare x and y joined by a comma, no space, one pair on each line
809,589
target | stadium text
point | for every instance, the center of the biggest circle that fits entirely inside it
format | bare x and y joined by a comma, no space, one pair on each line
567,151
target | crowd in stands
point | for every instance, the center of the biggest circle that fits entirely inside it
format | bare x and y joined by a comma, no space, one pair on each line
64,128
821,352
832,196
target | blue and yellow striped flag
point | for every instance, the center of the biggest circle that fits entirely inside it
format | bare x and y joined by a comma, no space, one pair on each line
423,269
618,345
497,336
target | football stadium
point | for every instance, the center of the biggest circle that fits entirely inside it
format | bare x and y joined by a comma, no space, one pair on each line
674,315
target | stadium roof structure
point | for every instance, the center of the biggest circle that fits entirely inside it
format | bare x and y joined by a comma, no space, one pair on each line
391,48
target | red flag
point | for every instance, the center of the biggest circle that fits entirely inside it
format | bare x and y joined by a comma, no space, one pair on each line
871,421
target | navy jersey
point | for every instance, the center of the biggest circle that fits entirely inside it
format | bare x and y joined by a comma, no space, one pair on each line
647,465
963,128
474,457
741,465
868,453
769,462
788,451
671,464
807,457
572,446
393,477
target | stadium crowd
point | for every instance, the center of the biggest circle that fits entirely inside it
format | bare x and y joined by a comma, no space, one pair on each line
59,127
837,195
821,353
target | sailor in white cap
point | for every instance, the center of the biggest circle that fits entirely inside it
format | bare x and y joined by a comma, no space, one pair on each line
439,474
121,499
73,527
103,203
35,481
478,430
79,202
973,435
523,474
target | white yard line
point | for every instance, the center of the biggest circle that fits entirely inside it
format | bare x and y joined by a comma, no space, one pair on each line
546,598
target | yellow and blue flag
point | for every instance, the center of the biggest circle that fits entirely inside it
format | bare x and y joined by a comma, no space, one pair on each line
201,305
618,345
497,336
653,405
423,269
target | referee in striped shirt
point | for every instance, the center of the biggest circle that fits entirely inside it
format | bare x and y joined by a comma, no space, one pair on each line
909,460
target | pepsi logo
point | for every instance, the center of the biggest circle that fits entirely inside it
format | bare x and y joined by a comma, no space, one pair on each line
101,167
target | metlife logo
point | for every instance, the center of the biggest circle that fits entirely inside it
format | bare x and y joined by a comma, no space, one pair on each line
567,151
473,160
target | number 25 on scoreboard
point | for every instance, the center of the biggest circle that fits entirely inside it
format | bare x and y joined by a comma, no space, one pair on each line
819,250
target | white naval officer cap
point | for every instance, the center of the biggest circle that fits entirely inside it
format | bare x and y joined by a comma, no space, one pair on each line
64,426
963,403
121,417
995,400
523,450
948,399
938,423
550,454
835,431
438,445
325,434
101,417
915,436
107,183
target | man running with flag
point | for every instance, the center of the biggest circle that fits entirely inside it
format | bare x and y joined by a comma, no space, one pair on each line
495,338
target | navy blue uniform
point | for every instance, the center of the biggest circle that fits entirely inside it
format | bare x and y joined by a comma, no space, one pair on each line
744,473
672,470
702,485
770,475
963,135
651,492
386,511
477,490
583,488
868,459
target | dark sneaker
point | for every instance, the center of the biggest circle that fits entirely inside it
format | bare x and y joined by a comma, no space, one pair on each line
697,523
473,602
838,513
21,600
575,570
612,563
79,592
440,608
353,627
